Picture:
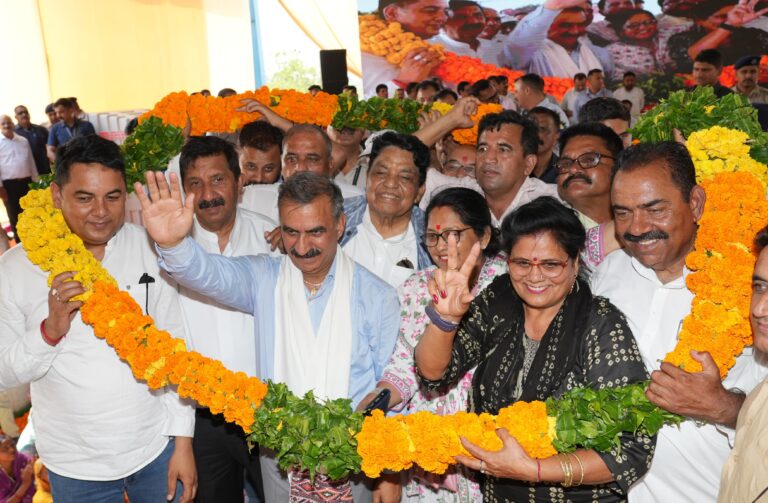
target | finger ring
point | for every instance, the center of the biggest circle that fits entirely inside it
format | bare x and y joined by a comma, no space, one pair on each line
482,467
54,292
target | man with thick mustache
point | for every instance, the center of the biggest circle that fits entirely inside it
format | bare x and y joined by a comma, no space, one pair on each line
211,173
656,205
320,321
747,74
461,33
507,145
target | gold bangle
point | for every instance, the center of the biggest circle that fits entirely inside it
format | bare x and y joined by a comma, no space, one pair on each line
581,465
565,464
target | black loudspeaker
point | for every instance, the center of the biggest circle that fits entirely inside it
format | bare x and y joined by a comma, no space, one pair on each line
333,68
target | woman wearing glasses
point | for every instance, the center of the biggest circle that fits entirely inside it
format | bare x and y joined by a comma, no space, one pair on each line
461,216
534,333
639,49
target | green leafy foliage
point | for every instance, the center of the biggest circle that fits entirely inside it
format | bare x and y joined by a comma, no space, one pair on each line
318,437
659,85
701,109
149,148
376,113
43,182
595,419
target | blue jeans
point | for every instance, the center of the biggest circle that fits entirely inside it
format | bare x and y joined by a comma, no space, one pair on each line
148,485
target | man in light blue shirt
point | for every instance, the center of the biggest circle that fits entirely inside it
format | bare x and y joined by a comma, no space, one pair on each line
354,347
595,89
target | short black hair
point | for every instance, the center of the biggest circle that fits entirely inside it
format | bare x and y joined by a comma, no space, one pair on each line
611,140
603,109
261,135
534,81
673,155
580,76
380,87
350,88
544,214
498,79
227,91
711,56
594,71
65,102
629,74
314,87
306,186
472,209
459,4
424,84
88,149
463,85
445,93
619,19
49,108
761,239
410,143
481,85
548,112
529,136
207,146
410,87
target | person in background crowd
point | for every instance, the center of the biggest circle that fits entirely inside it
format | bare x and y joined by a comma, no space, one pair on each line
588,154
350,91
508,24
595,89
260,149
423,18
569,99
747,76
206,92
640,48
136,439
16,473
460,161
657,205
492,24
507,146
314,89
68,127
610,112
321,321
461,32
501,84
601,33
744,476
720,25
529,93
485,92
37,136
552,41
631,92
464,89
225,92
446,96
17,170
676,14
347,146
462,215
399,94
707,69
426,90
52,117
548,123
382,91
210,172
385,228
411,90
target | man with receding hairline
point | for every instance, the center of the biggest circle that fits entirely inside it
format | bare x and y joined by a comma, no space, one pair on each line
17,170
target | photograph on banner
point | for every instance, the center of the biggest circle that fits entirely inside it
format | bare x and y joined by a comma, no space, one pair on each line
410,40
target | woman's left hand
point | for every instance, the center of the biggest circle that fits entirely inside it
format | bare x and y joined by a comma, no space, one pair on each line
511,462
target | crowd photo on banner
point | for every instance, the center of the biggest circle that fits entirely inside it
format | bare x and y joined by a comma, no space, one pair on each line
526,262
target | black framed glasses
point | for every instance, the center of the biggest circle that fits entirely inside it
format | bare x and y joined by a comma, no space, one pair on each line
587,160
431,238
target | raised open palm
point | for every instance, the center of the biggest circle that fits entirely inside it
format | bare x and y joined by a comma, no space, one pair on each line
451,287
167,218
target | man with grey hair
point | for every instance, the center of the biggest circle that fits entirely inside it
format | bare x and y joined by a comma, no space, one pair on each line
321,321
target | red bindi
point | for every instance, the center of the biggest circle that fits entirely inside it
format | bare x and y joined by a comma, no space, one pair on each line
438,226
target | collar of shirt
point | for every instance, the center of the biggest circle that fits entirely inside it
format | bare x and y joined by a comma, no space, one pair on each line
650,275
400,238
443,39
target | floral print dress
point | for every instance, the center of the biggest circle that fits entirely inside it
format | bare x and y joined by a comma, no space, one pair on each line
458,485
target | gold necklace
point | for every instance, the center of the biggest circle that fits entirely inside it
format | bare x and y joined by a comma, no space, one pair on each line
313,287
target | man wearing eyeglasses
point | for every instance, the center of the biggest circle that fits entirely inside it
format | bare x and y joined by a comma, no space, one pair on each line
587,155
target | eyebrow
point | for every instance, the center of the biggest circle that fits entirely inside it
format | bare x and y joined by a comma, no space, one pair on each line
314,229
755,277
86,193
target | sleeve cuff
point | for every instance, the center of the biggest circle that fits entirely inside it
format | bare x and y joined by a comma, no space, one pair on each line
401,387
181,425
37,347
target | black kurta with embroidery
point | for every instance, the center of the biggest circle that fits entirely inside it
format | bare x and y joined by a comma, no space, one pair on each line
588,344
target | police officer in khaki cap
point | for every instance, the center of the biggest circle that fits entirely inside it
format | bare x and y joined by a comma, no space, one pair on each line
747,75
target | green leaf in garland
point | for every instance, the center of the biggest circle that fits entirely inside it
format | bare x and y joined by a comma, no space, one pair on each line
149,148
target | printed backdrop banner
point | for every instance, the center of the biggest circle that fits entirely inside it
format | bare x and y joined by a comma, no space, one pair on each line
619,36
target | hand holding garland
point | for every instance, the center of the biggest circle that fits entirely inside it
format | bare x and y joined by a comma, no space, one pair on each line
61,307
417,66
460,116
254,106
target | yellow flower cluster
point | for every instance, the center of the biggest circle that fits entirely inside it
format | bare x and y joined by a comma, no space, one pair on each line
468,136
389,40
52,246
152,354
432,441
723,259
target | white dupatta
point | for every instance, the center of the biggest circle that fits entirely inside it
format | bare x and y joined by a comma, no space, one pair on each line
305,360
554,61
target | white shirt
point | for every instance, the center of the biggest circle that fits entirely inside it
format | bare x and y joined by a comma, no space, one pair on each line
688,459
380,255
93,419
531,189
262,198
377,70
636,96
360,171
16,159
486,50
215,330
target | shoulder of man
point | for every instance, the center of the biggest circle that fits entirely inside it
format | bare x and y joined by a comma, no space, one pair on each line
615,266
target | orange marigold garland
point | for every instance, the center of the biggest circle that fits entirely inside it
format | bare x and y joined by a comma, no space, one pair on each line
468,136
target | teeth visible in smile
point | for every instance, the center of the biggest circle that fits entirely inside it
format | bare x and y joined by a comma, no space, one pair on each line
648,241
